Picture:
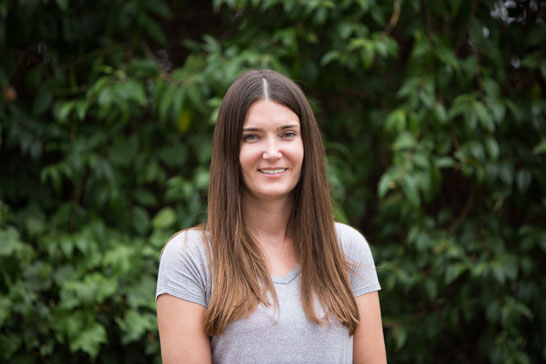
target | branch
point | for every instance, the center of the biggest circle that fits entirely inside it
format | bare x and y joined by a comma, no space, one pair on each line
394,18
462,216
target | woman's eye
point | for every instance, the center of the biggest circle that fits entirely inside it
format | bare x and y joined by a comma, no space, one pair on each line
250,137
289,134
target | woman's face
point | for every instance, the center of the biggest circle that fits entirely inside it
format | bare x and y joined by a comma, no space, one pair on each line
271,153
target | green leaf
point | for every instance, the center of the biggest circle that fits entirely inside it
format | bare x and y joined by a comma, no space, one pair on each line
454,271
410,190
513,310
13,247
540,147
120,259
10,342
202,178
159,8
174,155
89,339
404,141
145,197
491,88
400,335
67,245
95,288
497,107
426,94
164,218
444,162
165,102
81,109
396,121
62,4
446,55
469,67
138,296
179,98
385,183
421,160
329,57
506,173
153,29
65,110
135,324
124,150
431,288
440,113
136,91
43,100
484,116
378,15
409,87
523,179
492,147
5,309
141,220
497,270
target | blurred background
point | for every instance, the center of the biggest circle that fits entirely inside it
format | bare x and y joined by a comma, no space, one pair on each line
433,116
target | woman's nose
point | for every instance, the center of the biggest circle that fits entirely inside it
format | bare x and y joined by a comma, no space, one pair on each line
272,151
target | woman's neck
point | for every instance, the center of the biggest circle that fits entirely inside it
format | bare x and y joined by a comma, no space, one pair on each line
267,220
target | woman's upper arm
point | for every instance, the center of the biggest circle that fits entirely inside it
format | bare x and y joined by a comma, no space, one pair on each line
182,331
369,344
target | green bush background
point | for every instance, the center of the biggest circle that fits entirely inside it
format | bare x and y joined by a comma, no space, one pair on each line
433,115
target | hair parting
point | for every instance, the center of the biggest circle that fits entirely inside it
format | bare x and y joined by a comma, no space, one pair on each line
266,92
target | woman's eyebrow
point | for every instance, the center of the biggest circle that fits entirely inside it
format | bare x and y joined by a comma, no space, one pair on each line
288,126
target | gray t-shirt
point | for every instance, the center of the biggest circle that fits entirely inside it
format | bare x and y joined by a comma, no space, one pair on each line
268,335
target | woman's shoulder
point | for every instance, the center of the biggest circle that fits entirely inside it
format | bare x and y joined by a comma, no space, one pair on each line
363,272
193,242
184,266
197,234
351,240
348,235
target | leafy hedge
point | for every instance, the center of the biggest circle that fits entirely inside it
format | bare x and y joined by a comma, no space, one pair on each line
433,114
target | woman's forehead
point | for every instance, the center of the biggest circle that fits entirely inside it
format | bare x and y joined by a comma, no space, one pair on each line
266,113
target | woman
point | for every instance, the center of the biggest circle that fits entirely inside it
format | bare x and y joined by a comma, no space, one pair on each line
269,278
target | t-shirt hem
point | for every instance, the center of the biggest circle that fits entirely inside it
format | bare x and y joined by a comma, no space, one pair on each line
182,295
367,289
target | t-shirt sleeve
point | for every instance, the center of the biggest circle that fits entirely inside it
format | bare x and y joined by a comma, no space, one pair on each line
183,268
357,252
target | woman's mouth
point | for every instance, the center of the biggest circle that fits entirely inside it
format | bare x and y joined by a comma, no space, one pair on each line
272,171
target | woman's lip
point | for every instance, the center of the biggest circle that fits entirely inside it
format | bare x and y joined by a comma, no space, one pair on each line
272,171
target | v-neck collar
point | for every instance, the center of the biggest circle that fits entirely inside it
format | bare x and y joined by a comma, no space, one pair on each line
288,277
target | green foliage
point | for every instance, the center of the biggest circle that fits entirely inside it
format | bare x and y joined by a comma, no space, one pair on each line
433,115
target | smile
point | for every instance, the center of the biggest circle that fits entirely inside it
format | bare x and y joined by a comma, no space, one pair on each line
272,171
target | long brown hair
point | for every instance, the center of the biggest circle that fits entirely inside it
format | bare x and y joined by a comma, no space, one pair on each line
241,278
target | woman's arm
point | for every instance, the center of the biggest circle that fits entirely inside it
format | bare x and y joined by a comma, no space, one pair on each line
182,331
369,344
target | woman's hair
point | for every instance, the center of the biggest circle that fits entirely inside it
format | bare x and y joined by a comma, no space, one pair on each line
241,278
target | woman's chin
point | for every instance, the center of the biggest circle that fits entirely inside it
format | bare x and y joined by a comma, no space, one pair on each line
272,195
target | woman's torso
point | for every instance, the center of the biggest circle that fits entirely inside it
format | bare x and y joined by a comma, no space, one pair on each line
283,336
268,336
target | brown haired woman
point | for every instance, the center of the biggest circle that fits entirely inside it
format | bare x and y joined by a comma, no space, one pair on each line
270,277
